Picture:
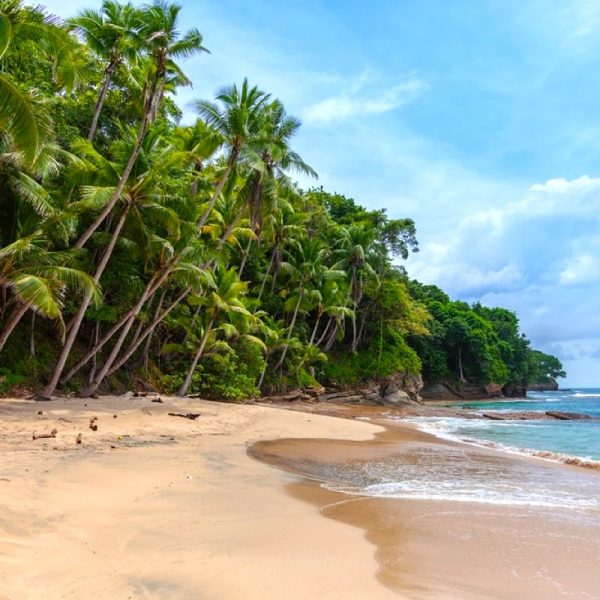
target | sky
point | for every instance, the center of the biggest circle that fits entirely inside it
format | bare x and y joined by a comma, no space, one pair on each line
479,120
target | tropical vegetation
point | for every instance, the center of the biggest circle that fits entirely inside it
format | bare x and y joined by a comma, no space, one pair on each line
136,250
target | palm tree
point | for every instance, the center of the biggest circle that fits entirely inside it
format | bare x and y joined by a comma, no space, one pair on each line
18,24
163,44
111,33
352,254
236,116
38,279
224,300
306,264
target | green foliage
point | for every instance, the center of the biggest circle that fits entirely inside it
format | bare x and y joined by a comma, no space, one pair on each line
188,249
224,376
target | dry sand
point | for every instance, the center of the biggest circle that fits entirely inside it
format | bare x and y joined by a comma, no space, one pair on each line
161,507
176,510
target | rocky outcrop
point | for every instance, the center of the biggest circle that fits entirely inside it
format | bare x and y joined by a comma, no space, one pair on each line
514,390
530,415
398,390
548,386
463,391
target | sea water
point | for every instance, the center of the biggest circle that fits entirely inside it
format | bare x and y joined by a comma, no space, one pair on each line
468,473
579,439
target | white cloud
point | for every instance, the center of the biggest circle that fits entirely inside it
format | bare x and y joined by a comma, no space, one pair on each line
355,100
581,269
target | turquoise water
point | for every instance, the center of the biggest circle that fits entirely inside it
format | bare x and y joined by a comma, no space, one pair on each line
579,439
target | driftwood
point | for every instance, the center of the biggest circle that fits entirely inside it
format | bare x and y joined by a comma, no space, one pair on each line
42,436
191,416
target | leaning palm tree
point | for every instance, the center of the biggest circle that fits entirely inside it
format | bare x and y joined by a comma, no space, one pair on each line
222,301
163,45
111,33
38,279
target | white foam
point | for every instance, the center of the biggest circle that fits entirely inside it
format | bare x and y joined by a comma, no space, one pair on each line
449,491
447,428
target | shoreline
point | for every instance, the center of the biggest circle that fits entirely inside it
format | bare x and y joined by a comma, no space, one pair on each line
208,520
440,548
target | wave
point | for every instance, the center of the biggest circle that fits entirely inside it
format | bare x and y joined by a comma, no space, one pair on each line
447,429
440,491
585,395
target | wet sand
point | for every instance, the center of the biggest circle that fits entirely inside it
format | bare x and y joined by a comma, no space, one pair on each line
446,549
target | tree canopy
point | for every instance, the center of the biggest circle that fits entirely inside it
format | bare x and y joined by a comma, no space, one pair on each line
186,256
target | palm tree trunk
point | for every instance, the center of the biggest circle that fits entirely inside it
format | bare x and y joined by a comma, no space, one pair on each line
314,331
264,371
244,259
146,351
354,332
91,389
108,75
150,289
183,390
331,337
62,359
320,340
264,281
126,172
32,336
295,315
230,164
149,330
13,320
94,364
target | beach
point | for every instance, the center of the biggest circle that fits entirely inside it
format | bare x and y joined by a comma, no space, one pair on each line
230,505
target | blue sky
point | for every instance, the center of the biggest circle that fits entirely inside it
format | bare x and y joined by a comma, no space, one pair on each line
479,120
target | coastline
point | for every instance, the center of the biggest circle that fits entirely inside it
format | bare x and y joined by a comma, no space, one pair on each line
179,509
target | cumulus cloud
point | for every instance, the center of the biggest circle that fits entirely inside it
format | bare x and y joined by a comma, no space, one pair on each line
362,98
538,255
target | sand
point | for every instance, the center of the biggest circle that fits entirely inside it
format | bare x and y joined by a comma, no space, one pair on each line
162,507
176,510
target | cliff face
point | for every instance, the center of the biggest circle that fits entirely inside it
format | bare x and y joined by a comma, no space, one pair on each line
465,391
549,386
396,390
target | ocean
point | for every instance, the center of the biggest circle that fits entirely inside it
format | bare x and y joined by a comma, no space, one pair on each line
576,439
468,473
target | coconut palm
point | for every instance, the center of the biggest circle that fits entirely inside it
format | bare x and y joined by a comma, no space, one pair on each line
19,24
236,116
162,45
38,279
352,258
224,300
111,33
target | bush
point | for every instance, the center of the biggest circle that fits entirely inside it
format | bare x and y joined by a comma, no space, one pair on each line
230,376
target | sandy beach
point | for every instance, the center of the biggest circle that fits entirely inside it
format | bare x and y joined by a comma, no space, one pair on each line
157,506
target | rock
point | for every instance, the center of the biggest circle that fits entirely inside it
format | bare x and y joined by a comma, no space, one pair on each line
567,416
438,391
549,386
398,398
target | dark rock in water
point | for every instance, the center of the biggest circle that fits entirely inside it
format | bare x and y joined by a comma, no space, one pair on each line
461,391
567,416
548,386
514,390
